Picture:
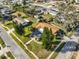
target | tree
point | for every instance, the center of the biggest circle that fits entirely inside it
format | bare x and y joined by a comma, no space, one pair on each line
24,2
31,12
3,57
19,29
47,38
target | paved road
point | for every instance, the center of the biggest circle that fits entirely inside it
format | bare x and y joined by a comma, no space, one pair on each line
68,49
14,48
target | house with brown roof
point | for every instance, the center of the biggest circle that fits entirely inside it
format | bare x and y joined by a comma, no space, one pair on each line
42,25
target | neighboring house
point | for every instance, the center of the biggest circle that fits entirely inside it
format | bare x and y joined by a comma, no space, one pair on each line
43,1
77,1
19,20
39,9
47,1
5,10
77,7
53,10
6,13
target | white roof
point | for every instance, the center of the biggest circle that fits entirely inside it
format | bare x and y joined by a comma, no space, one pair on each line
26,20
41,30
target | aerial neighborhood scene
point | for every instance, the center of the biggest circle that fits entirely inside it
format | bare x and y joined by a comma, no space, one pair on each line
39,29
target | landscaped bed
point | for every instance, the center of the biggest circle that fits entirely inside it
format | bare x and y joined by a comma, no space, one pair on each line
38,50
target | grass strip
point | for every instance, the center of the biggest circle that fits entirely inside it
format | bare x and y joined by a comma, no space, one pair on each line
57,51
10,55
2,43
22,46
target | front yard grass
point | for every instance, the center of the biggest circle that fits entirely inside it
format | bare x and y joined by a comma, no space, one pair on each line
2,43
22,46
38,50
10,55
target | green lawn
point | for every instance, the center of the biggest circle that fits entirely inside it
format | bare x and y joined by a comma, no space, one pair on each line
57,51
38,50
23,47
47,16
2,43
23,38
9,24
10,55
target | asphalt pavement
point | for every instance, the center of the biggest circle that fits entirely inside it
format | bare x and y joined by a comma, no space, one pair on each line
12,45
69,48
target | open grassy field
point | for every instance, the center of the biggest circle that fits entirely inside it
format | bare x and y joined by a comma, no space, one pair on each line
38,50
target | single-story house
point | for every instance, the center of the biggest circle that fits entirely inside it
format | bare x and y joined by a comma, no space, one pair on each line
19,20
40,27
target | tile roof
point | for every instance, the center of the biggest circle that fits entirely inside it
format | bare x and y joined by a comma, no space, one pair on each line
53,27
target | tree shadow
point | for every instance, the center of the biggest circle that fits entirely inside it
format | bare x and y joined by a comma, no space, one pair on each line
70,46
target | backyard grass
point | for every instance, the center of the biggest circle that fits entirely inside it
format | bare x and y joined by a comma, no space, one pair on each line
38,50
10,55
27,31
9,24
33,19
57,51
47,16
23,47
2,43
